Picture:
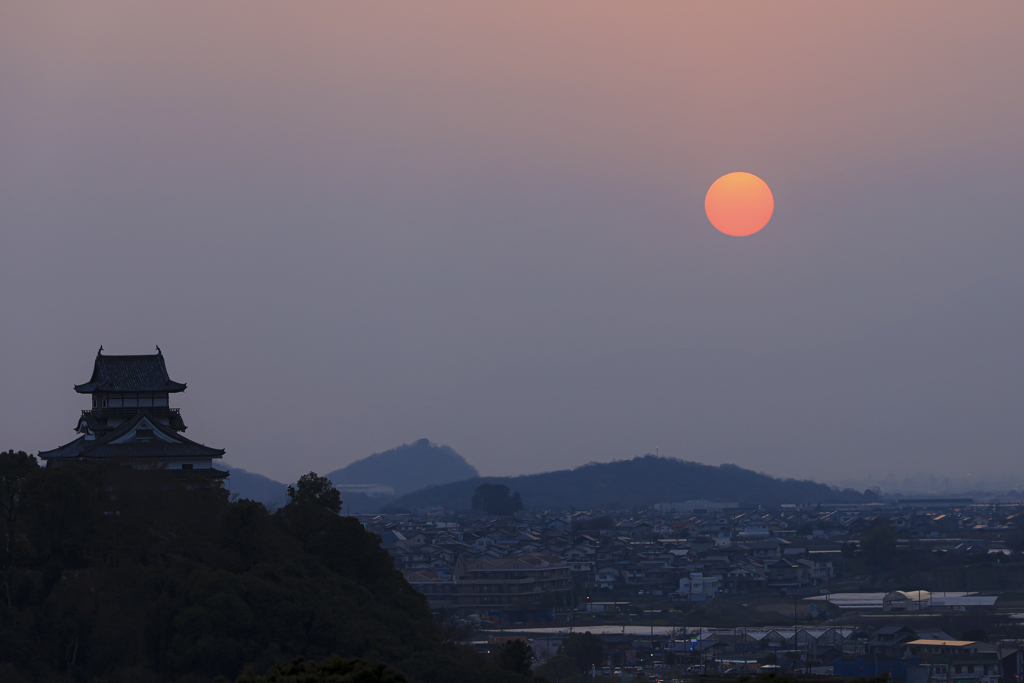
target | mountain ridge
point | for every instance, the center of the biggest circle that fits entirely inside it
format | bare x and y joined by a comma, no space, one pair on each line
258,487
407,468
642,481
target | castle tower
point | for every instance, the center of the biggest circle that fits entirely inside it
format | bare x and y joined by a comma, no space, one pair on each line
131,420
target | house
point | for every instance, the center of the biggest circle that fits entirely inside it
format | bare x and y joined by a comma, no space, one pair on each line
745,578
659,577
683,529
484,542
786,573
696,587
417,539
606,578
958,661
822,565
890,640
768,549
642,532
753,530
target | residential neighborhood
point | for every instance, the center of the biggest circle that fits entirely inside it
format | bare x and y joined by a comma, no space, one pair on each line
713,587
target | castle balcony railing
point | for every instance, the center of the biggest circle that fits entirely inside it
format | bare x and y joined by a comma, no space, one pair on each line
156,411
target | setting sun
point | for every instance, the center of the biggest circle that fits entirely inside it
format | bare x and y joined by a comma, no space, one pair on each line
739,204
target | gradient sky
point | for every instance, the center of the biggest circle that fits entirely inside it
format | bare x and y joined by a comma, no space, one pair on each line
352,225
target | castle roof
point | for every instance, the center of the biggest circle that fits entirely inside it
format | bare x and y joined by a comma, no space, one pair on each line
130,374
140,438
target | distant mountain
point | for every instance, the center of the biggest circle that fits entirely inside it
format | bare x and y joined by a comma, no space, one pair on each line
406,468
640,482
256,487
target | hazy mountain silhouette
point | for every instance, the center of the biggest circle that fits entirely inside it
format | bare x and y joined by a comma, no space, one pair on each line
407,468
256,487
640,482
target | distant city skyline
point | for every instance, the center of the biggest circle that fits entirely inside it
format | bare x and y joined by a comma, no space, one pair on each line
350,227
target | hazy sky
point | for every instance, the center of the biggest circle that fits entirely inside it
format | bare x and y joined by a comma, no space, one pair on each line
352,225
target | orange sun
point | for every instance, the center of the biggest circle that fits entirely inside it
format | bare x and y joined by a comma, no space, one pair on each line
739,204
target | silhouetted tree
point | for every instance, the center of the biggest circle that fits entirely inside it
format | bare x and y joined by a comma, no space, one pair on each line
455,630
879,546
586,648
15,468
494,499
974,634
63,508
334,669
516,656
312,488
246,529
596,524
558,669
140,576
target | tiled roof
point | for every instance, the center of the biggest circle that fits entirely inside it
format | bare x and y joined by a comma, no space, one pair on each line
155,449
104,448
130,373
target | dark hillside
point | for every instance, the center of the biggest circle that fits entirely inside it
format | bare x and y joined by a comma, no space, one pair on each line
640,482
169,581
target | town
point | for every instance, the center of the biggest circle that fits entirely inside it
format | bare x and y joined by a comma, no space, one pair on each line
713,587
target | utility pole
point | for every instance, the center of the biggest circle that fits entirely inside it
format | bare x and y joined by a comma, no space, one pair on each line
796,641
700,648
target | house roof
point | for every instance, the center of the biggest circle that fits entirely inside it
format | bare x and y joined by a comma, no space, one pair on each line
915,596
425,576
126,442
891,630
932,635
524,561
130,373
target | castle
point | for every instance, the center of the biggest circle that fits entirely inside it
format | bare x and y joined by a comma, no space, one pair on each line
131,421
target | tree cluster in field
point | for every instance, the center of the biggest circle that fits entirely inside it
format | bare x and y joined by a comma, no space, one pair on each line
894,564
112,574
576,655
496,499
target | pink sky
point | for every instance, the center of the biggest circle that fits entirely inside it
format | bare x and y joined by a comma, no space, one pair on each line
352,226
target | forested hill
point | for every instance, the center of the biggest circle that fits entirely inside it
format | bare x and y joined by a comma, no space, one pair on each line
407,467
640,482
110,574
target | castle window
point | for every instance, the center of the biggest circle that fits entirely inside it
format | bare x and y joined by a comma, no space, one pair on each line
142,399
186,466
143,434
